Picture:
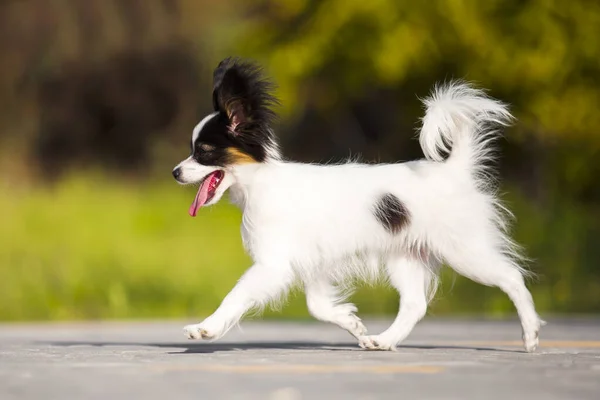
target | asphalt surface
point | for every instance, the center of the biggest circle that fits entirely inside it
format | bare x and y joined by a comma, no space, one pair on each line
442,359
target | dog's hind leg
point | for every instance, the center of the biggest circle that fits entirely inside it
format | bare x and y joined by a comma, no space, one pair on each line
413,279
490,267
324,302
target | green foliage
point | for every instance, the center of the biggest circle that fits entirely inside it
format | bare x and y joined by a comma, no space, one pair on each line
544,55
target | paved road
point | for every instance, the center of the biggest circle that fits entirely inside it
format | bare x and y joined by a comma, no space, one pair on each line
443,359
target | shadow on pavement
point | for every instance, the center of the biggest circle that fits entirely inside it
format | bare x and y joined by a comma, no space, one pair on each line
207,347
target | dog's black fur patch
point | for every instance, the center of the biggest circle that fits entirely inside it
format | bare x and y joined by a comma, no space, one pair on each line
243,92
210,148
391,213
241,130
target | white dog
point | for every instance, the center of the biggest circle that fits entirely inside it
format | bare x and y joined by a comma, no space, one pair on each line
324,226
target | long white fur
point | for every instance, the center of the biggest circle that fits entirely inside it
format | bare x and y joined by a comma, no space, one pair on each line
315,225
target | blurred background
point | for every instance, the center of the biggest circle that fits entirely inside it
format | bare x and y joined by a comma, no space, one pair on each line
98,99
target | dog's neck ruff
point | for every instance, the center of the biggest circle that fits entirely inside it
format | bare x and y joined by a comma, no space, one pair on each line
246,177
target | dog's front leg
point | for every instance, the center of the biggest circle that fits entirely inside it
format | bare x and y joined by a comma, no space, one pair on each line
262,283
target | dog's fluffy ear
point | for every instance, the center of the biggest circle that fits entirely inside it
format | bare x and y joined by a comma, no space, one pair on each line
244,95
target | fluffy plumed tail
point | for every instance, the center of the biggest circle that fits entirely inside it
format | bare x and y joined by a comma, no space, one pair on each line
460,120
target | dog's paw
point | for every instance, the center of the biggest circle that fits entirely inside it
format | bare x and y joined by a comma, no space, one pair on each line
531,335
196,331
343,315
353,325
209,329
376,342
531,341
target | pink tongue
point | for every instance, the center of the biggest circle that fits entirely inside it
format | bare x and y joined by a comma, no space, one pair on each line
202,195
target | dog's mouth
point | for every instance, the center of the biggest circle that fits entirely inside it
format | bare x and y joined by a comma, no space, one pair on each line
206,191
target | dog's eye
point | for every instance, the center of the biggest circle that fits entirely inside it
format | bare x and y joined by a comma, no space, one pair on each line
207,147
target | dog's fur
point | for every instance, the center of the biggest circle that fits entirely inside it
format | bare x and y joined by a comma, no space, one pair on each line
325,226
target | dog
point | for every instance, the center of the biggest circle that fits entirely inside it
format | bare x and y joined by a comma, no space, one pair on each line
325,226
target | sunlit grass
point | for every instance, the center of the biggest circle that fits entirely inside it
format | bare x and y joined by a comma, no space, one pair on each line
92,248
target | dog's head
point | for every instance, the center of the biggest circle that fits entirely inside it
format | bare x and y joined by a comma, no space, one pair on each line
237,132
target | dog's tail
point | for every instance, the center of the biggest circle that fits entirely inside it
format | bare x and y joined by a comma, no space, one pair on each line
460,120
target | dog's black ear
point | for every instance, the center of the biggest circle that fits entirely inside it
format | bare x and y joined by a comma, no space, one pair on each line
243,93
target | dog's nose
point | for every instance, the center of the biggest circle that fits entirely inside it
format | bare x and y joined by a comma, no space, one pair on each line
177,172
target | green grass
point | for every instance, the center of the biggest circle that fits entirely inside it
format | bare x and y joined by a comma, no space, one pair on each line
92,248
